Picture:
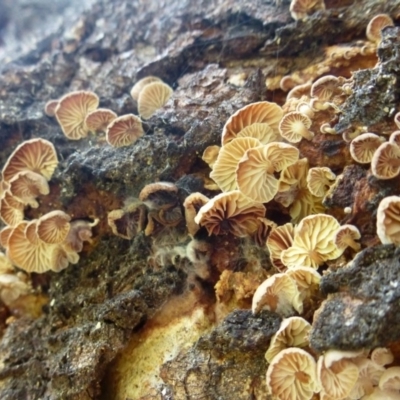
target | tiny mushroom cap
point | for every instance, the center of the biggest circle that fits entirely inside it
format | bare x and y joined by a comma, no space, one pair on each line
192,205
224,169
390,379
388,220
313,242
363,147
325,88
255,173
139,85
4,235
124,130
50,108
98,120
11,209
292,375
376,25
395,138
293,332
53,227
294,126
337,378
280,238
307,280
279,294
261,112
36,155
230,212
156,195
72,110
299,91
346,236
385,163
319,180
397,120
27,185
152,97
80,231
261,131
382,356
210,155
300,9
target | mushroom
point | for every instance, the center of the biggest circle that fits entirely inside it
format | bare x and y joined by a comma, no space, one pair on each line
307,280
346,236
379,394
139,85
255,173
152,97
192,205
300,91
323,91
224,169
159,195
11,209
301,9
388,220
261,131
11,288
72,110
293,332
80,231
210,155
294,126
385,163
390,379
382,356
53,227
313,242
395,138
363,147
98,120
50,108
292,375
279,294
124,130
4,235
319,180
261,112
230,212
36,155
375,26
280,238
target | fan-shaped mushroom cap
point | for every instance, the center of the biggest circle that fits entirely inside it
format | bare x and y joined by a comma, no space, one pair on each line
124,130
50,108
294,126
388,220
11,209
280,238
292,375
293,332
224,169
338,378
53,227
192,205
395,138
390,379
363,147
27,185
210,155
152,97
319,180
139,85
36,155
307,280
382,356
313,242
156,195
299,91
71,113
261,112
278,293
300,9
98,120
261,131
4,235
255,172
346,236
326,87
230,212
375,26
385,163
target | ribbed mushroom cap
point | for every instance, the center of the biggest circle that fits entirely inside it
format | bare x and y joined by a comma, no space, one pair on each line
255,171
385,163
279,294
280,238
395,138
72,110
293,332
363,147
210,155
156,195
36,155
98,120
153,97
26,186
397,120
338,378
388,220
4,235
139,85
382,356
192,205
319,180
124,130
6,266
50,108
224,169
390,379
307,280
326,87
375,26
294,126
299,91
292,375
53,227
261,131
80,231
346,236
11,209
232,213
261,112
313,242
300,9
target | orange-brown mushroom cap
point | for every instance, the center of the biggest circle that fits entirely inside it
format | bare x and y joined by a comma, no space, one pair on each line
153,97
294,126
53,227
50,108
375,26
192,205
346,236
11,209
388,220
139,85
385,163
156,195
124,130
98,120
363,147
319,180
210,155
300,9
280,238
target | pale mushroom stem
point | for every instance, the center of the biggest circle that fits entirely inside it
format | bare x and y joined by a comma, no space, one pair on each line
353,244
302,129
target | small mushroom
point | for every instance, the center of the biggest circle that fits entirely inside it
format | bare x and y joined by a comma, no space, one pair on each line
192,205
294,126
139,85
11,209
363,147
388,220
382,356
375,26
50,108
300,91
153,97
390,379
346,236
98,120
395,138
124,130
53,227
319,180
307,280
261,131
280,238
210,155
397,120
4,235
159,195
301,9
385,163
